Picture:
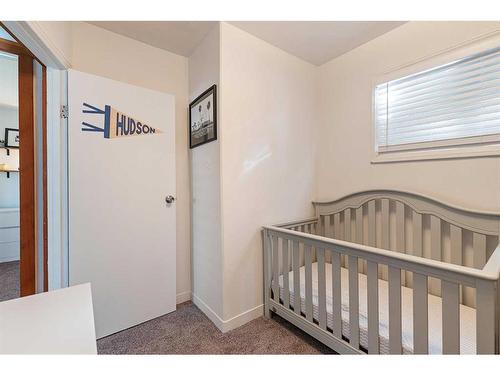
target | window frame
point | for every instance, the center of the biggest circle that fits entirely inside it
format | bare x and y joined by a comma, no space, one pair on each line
471,147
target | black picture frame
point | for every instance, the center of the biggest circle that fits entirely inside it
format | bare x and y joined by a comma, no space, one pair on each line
207,131
8,132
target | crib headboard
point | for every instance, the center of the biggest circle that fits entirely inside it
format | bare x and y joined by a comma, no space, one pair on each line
413,224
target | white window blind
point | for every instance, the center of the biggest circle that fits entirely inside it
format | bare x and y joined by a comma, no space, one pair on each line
457,103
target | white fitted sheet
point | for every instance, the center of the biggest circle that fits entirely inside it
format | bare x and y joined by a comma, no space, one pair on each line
467,314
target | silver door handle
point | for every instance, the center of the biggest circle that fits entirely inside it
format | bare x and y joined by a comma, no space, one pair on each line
169,199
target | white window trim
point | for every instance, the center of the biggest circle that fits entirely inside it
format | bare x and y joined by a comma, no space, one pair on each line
449,149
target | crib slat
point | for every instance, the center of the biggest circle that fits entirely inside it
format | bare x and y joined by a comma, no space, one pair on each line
456,244
435,238
400,227
359,225
371,224
435,250
385,240
336,295
420,314
353,302
347,224
417,234
336,226
320,253
451,317
285,270
479,244
385,223
276,286
395,310
328,227
485,316
373,334
308,281
296,277
400,234
358,234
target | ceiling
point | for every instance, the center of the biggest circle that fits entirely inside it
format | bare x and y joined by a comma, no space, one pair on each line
314,41
317,41
180,37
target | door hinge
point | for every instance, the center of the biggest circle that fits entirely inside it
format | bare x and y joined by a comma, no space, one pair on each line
64,111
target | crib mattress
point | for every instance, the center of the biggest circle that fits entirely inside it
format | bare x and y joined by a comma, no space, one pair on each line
467,314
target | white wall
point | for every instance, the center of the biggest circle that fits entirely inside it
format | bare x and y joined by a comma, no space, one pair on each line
9,187
207,262
267,155
9,118
344,140
8,78
101,52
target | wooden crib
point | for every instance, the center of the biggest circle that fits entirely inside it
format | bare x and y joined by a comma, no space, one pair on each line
386,271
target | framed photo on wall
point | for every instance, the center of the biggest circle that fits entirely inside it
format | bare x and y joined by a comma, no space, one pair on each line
203,118
12,137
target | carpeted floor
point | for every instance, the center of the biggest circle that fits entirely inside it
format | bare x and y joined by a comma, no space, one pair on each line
189,331
9,280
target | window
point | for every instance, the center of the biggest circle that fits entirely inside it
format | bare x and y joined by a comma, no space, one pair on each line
450,105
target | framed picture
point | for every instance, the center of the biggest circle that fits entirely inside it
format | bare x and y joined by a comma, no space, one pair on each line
11,137
203,118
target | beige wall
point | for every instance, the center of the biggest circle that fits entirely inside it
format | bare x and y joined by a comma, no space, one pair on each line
58,36
204,69
345,139
100,52
267,157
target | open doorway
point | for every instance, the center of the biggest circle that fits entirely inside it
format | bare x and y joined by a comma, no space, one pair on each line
22,169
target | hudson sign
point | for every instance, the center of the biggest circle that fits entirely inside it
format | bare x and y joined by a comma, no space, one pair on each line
116,124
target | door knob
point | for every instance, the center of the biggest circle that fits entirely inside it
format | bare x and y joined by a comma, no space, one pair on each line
169,199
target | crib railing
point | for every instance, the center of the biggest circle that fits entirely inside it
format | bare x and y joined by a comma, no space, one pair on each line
289,246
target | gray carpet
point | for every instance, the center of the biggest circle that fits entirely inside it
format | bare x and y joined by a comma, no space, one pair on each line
9,280
189,331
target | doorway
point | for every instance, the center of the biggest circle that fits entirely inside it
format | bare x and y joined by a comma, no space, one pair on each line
23,267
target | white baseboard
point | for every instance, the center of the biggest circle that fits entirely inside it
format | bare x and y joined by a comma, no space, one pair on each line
9,251
219,323
232,323
12,258
183,297
243,318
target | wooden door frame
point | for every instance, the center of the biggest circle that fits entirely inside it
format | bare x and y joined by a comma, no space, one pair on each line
27,167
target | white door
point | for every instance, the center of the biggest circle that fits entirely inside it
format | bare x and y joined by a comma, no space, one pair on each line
121,169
